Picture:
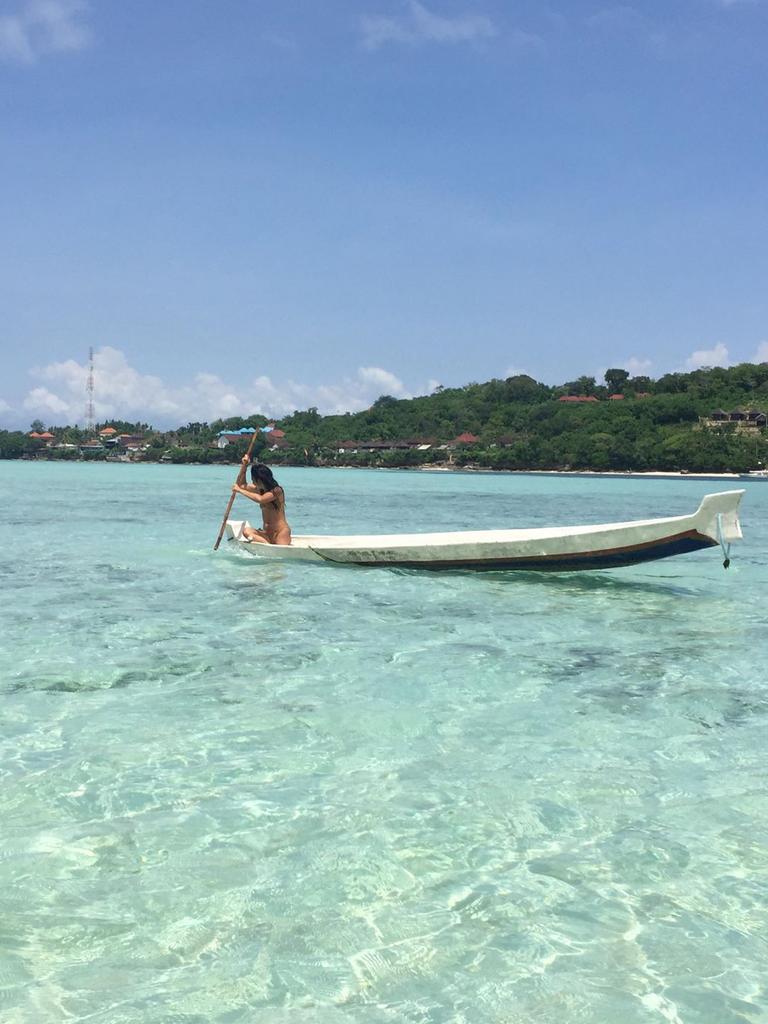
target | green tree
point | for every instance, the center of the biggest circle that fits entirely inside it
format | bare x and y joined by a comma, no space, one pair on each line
581,386
13,444
616,379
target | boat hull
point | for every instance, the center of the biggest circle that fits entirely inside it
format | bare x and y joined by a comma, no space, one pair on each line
553,549
564,562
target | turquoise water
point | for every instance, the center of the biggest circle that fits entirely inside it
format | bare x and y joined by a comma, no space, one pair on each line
236,792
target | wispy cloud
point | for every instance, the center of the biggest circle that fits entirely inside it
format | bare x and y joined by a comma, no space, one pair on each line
761,353
40,27
280,41
122,391
418,25
717,356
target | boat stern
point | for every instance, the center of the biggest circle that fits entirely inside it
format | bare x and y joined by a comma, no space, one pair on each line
717,516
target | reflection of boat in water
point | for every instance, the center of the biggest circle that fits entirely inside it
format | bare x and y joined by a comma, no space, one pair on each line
715,522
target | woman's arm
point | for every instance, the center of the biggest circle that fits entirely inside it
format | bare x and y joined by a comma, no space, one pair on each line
260,499
241,475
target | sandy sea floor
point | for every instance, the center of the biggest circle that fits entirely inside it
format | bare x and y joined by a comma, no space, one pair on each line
235,792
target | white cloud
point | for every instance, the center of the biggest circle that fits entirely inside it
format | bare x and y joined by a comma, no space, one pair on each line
41,400
43,26
420,25
383,379
351,394
717,356
761,353
4,406
121,392
636,366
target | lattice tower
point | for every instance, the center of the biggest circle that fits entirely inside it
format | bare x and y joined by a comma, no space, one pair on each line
89,415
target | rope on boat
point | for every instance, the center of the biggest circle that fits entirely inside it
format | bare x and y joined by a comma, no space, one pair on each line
726,548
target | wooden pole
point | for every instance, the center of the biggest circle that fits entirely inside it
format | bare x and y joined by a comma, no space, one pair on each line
233,495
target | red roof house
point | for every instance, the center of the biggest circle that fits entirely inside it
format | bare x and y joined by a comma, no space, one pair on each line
578,398
466,438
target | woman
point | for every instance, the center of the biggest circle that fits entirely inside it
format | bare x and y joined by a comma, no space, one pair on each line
265,491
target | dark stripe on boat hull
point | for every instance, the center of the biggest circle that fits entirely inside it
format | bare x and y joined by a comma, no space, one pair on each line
613,558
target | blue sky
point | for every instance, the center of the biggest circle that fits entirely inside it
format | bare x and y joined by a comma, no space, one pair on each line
252,204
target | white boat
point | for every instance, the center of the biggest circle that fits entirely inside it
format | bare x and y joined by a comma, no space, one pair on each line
556,549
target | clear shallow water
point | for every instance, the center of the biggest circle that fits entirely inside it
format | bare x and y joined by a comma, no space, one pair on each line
235,792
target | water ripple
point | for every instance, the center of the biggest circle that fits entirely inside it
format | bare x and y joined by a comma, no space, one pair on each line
233,792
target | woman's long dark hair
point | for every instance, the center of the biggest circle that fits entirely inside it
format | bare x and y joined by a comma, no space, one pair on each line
261,474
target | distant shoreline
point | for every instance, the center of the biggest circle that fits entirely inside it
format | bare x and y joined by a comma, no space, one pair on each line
658,474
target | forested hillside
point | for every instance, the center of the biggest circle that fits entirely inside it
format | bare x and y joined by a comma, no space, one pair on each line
521,424
626,423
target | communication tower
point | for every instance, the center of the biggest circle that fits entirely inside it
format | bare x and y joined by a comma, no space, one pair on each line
89,416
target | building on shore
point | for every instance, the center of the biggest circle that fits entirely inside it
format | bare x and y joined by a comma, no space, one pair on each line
741,421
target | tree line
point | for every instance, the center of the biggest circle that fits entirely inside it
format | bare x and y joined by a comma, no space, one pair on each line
519,423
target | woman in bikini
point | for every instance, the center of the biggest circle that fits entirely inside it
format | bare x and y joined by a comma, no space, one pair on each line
267,493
